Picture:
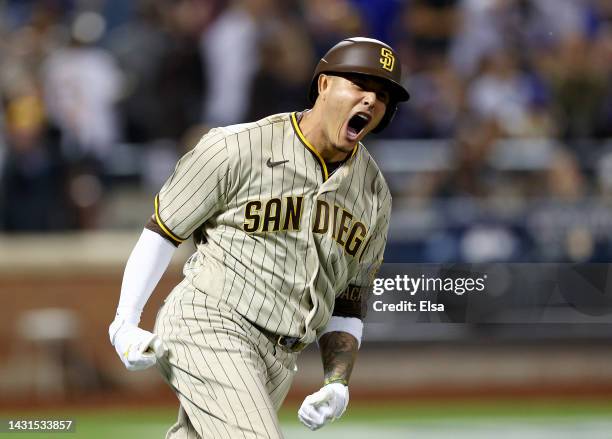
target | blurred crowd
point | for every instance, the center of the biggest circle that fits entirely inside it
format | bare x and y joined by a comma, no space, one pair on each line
79,78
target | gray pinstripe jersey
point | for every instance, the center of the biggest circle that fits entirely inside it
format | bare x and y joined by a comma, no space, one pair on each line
277,237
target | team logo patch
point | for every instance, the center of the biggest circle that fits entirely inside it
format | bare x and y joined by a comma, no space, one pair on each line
387,60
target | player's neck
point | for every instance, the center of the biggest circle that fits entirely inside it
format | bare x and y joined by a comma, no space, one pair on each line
310,125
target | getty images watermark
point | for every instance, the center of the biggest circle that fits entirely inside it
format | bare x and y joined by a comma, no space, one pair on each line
493,293
411,286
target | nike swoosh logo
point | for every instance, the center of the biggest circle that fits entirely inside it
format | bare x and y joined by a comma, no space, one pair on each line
271,164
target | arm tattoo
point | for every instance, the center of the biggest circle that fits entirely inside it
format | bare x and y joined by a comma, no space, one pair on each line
338,352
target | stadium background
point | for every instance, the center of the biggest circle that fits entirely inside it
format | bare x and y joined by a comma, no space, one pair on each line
503,154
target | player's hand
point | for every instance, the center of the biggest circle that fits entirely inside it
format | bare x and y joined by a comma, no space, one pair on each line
324,406
137,348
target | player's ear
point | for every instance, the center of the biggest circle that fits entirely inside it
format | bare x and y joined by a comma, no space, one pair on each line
323,82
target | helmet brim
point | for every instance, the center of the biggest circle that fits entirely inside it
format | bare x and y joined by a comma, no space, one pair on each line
396,91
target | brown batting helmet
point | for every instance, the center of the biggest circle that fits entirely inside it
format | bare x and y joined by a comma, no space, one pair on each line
364,56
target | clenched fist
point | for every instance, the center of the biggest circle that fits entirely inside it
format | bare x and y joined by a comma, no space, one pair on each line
324,406
137,348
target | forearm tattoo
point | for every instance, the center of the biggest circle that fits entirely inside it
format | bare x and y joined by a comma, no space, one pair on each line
338,352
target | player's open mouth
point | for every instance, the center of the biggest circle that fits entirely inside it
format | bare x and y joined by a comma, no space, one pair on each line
356,124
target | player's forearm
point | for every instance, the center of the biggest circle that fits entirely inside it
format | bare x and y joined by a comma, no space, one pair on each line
338,352
146,265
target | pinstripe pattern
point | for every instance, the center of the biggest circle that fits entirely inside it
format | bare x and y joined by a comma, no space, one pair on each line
283,281
229,378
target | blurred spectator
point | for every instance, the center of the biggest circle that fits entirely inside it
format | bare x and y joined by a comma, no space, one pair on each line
285,71
33,180
436,99
82,85
603,57
183,75
24,50
604,176
230,53
480,31
564,180
483,243
547,22
431,26
159,56
472,174
138,46
329,21
501,92
579,83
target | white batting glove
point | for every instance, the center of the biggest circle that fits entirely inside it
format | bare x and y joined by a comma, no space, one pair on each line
324,406
137,348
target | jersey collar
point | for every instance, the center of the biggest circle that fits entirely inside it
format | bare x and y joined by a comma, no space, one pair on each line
311,148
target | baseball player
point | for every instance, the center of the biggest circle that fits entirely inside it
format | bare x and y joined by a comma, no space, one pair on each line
289,216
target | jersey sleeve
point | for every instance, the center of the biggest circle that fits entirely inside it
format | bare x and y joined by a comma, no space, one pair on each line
352,302
196,190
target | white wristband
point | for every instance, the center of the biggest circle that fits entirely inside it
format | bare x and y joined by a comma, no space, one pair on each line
352,325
